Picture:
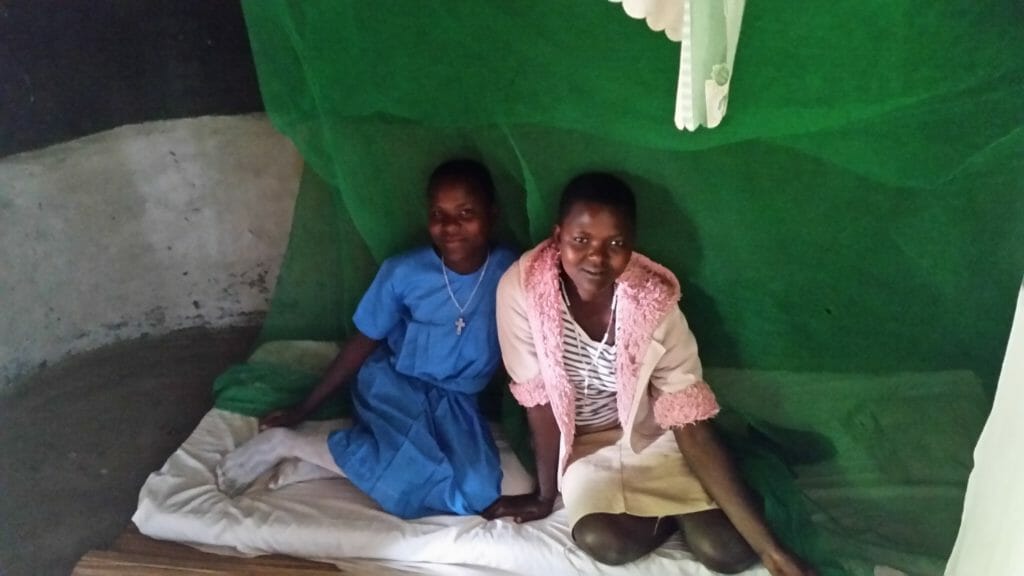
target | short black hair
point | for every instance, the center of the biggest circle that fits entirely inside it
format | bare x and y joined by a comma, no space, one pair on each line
600,188
467,171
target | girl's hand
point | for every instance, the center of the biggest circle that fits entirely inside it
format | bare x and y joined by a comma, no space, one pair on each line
285,418
782,563
524,508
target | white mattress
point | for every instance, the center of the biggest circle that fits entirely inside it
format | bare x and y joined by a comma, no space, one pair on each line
333,521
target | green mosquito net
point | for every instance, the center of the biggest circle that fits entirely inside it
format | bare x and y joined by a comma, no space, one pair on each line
850,239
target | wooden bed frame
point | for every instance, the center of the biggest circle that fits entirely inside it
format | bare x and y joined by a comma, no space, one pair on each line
133,554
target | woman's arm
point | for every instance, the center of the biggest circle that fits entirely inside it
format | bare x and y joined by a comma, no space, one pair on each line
520,357
528,507
544,431
353,353
714,468
683,402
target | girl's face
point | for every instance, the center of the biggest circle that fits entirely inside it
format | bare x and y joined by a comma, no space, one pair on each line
460,224
596,243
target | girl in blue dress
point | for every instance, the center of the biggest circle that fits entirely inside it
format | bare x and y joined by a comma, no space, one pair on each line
425,346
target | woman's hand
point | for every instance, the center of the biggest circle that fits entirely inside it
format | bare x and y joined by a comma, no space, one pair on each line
350,358
782,563
524,508
284,418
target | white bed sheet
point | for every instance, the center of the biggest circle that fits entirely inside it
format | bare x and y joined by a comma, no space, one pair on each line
333,521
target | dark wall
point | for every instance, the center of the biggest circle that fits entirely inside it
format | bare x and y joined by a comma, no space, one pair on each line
71,68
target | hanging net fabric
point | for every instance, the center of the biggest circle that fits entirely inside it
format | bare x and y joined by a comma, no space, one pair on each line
850,238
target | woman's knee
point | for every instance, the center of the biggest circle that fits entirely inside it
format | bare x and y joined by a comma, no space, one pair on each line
716,543
722,560
604,538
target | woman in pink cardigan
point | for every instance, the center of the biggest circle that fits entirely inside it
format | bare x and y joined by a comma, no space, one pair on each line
602,358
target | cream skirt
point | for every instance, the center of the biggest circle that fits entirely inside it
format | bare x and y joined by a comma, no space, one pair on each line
604,475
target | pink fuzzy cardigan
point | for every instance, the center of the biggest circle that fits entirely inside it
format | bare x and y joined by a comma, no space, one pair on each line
660,382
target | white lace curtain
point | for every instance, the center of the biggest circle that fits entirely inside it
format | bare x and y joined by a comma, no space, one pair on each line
707,32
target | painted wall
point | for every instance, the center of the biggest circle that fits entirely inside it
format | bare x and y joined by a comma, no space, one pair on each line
68,69
143,229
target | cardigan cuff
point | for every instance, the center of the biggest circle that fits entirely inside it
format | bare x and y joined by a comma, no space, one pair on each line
529,393
691,404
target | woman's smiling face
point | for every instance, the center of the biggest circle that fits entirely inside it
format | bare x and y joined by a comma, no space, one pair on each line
460,223
596,243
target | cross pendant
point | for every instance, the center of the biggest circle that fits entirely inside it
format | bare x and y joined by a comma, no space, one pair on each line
459,325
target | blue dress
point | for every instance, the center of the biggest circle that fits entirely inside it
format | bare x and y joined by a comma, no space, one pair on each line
419,445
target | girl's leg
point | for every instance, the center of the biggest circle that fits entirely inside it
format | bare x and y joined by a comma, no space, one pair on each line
616,539
294,471
715,542
243,466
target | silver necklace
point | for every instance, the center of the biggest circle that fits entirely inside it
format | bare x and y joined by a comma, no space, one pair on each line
594,357
460,323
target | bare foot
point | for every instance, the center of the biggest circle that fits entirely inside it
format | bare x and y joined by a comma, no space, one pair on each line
244,465
294,471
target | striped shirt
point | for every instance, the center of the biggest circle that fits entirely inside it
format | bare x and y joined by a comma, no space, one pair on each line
590,368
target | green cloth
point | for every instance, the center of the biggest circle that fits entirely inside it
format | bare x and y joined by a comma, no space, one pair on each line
276,375
858,213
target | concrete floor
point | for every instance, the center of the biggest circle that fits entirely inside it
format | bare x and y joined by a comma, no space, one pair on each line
78,439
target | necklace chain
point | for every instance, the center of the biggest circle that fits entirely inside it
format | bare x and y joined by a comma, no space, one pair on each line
460,323
596,356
